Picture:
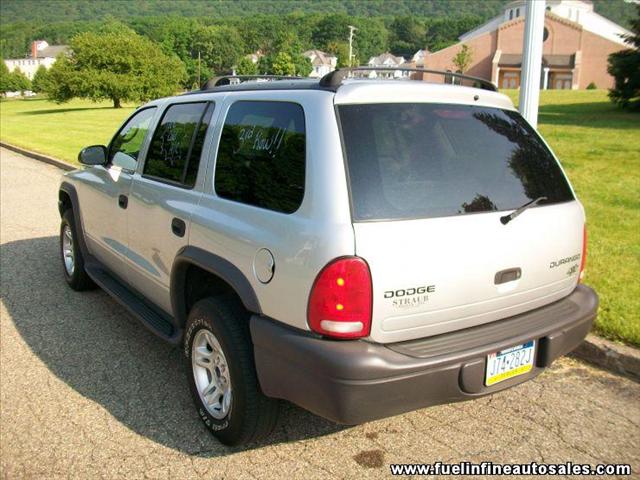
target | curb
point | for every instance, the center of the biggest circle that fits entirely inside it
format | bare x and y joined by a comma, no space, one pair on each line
38,156
602,353
610,356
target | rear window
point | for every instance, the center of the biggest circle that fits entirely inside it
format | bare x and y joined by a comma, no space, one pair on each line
433,160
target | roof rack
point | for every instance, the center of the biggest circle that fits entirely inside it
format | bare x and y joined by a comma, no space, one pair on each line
229,80
334,79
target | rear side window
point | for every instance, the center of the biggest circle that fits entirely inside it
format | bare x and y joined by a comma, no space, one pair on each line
261,158
174,153
433,160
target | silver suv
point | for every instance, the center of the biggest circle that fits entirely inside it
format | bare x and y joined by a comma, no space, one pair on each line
359,247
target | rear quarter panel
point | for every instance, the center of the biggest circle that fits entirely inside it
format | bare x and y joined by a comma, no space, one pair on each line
302,242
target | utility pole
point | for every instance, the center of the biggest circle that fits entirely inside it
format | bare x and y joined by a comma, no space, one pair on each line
199,83
351,30
532,61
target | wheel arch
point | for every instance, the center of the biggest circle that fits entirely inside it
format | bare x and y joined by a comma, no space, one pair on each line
64,201
68,198
224,276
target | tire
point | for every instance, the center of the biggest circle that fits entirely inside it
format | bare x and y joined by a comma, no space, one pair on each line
246,414
74,272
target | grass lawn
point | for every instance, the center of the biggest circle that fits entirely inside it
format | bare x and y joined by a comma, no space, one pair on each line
598,145
59,130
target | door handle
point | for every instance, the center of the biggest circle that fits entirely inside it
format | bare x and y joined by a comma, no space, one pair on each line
123,201
178,227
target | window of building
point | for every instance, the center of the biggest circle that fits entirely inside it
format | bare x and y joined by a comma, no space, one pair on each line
510,14
262,155
174,152
517,12
448,78
125,146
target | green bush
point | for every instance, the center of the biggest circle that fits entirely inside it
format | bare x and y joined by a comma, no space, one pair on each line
40,80
592,86
624,67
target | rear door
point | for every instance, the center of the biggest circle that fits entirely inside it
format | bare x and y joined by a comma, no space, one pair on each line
429,184
164,195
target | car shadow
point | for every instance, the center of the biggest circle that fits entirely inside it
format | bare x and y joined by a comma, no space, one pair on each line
88,341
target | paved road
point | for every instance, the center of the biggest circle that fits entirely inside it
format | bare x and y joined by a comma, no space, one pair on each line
86,392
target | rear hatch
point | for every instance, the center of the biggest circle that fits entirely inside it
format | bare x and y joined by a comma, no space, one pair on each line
429,183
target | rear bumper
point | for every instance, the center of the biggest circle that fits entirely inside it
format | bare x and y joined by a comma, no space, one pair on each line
351,382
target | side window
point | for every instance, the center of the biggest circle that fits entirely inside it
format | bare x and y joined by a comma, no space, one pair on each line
174,153
261,158
125,146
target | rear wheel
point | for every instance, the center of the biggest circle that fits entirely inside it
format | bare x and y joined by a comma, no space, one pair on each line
222,375
72,259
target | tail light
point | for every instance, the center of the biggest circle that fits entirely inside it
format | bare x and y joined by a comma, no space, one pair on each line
583,259
341,299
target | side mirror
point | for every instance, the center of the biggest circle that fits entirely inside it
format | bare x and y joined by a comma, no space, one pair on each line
93,155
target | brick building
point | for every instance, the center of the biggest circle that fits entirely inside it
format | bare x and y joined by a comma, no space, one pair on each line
577,42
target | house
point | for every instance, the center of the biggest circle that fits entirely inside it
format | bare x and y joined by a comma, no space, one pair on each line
577,42
41,54
255,56
418,58
388,60
321,62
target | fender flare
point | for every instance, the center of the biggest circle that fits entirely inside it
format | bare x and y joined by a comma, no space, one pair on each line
214,264
70,190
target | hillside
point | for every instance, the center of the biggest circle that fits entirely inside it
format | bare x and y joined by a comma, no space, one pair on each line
70,10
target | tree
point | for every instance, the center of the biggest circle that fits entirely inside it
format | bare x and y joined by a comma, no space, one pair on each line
40,80
175,35
371,38
5,78
624,66
220,47
246,67
340,50
442,32
303,65
463,59
407,35
283,64
285,57
331,28
19,81
118,66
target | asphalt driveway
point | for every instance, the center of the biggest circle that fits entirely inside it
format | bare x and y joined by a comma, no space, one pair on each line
87,392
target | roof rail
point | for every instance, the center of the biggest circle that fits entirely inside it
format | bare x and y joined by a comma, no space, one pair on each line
227,79
334,79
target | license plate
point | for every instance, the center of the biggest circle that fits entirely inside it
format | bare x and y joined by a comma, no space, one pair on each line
509,363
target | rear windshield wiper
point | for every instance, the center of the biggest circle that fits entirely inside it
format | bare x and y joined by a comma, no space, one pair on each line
507,218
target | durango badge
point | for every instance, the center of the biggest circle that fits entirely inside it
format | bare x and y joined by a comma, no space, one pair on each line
562,261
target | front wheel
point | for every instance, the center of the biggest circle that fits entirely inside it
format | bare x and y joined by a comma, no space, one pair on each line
72,259
222,374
